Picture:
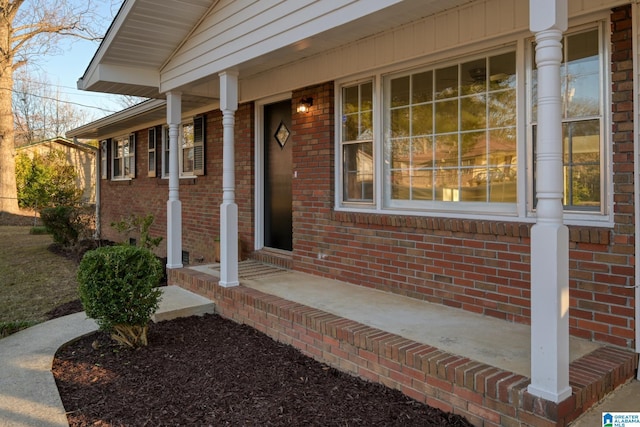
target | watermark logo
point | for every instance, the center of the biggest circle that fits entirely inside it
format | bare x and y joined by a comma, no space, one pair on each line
621,419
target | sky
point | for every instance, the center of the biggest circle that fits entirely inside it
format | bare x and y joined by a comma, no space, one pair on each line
64,69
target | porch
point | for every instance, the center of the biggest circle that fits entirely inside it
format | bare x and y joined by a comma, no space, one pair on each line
455,360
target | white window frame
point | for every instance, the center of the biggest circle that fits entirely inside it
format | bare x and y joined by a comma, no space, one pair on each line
519,211
128,143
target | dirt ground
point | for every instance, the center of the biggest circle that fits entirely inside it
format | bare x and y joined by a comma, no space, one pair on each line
211,371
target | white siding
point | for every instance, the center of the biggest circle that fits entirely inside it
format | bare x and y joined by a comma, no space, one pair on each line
479,24
240,31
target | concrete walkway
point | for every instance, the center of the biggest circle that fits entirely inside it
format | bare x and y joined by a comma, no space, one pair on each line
28,393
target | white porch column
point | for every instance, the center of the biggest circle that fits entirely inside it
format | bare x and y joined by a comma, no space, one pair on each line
549,236
228,209
174,206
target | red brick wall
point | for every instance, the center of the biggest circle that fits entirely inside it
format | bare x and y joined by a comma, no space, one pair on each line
201,197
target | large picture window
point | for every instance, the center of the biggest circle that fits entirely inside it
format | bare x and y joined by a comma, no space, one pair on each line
451,133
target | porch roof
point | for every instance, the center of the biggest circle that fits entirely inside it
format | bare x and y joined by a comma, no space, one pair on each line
138,47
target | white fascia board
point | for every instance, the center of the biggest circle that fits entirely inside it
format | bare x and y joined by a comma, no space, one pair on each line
203,66
120,74
111,33
129,113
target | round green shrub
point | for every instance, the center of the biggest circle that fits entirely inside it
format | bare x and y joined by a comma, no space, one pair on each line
118,286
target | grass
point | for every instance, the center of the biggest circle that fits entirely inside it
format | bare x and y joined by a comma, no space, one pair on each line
33,280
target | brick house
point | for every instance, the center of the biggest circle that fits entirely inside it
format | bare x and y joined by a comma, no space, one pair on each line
421,148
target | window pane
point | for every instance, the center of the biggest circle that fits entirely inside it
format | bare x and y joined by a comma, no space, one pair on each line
152,161
350,127
366,97
422,119
446,116
187,159
400,91
473,113
400,151
422,87
422,152
473,77
474,148
422,185
581,154
357,112
447,188
447,150
584,191
400,122
502,70
447,82
358,171
502,111
366,125
582,81
187,135
117,168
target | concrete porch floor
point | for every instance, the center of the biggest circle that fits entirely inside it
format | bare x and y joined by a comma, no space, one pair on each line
489,340
493,342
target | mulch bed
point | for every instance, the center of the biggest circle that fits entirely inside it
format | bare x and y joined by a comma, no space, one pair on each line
211,371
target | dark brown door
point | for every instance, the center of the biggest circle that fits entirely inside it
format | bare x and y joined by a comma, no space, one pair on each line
278,174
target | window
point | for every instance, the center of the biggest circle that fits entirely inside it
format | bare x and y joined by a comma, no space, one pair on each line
458,137
357,142
451,133
152,152
104,159
582,120
124,157
191,155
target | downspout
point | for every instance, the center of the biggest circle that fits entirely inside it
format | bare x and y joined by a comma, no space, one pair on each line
636,173
96,153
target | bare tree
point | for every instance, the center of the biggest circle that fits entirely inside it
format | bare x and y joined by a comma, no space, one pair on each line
29,29
40,112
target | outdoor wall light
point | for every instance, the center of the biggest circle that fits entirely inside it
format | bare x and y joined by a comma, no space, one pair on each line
305,105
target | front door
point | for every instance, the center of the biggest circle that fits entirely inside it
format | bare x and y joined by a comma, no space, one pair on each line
278,174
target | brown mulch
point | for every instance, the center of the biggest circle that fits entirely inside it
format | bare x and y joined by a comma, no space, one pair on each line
211,371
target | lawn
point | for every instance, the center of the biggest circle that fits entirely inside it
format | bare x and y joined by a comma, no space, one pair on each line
33,280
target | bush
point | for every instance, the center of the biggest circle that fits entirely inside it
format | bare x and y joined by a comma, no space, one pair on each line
118,288
46,180
61,222
68,224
